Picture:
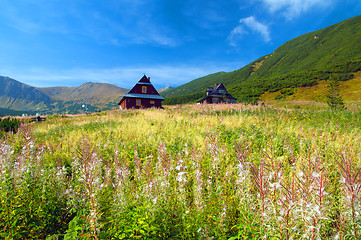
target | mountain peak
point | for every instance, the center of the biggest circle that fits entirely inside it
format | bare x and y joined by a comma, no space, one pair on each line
165,89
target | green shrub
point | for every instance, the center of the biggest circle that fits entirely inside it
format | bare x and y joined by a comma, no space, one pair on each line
280,97
287,91
9,124
334,97
343,76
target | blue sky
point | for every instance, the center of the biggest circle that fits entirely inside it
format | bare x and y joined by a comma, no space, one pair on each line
69,42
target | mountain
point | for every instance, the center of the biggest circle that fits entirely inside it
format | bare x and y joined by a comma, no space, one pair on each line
100,95
167,88
17,97
304,61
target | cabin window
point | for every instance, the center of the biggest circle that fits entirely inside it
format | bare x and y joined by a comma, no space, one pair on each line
138,102
151,101
144,89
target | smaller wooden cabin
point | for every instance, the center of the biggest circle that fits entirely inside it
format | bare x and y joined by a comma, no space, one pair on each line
218,94
142,95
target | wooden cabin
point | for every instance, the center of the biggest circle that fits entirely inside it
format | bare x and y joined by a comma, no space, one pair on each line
218,94
142,95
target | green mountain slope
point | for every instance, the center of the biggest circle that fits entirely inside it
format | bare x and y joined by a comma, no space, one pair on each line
19,96
330,46
303,61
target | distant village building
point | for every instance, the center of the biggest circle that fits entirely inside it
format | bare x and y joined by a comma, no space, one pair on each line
218,94
142,95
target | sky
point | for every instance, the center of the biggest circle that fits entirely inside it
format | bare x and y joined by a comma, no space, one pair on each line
46,43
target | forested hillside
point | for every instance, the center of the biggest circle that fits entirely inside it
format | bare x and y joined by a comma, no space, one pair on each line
304,61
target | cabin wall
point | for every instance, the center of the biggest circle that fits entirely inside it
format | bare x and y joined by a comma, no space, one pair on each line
216,100
144,103
223,100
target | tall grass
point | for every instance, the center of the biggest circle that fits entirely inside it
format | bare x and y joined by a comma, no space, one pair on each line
187,172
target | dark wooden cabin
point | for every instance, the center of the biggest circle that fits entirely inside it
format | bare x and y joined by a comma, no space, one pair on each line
218,94
142,95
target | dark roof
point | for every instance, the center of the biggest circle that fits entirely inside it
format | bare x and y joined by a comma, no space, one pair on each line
214,92
220,86
144,79
146,96
143,83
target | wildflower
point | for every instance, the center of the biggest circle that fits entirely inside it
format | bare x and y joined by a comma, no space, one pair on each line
315,175
224,212
316,209
180,177
275,185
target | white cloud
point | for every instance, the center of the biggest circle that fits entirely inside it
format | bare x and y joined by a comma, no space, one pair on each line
257,26
293,8
235,34
250,23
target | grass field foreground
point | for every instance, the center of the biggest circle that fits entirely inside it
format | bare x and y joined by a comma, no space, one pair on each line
186,172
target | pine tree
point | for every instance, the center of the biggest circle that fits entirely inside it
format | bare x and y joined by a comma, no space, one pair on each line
335,100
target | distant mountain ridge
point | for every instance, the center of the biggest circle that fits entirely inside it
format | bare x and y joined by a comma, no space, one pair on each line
18,96
97,94
334,51
167,88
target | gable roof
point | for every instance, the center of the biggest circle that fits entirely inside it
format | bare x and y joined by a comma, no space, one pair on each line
220,86
144,96
216,92
144,81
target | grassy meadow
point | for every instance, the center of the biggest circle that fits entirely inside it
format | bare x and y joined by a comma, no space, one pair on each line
185,172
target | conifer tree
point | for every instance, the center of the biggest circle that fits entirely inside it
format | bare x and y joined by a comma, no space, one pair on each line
335,101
